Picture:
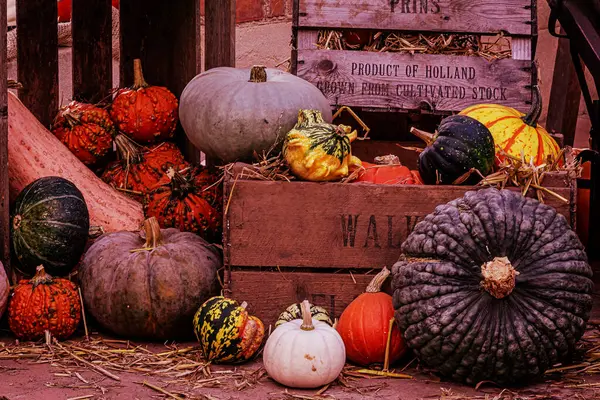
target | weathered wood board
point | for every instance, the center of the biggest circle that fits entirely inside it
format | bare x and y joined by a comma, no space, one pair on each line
332,291
407,82
334,225
474,16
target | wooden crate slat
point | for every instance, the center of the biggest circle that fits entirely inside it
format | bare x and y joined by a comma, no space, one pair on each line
91,23
474,16
333,225
37,57
405,81
4,200
220,33
332,291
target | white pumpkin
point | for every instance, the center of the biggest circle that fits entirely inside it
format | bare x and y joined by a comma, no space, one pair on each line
230,113
304,353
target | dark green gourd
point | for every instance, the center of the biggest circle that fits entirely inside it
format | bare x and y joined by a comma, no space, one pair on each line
460,144
49,226
492,286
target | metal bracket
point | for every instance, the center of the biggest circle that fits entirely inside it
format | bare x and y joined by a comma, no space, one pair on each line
552,23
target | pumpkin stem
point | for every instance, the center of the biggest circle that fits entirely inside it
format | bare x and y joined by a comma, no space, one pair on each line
41,277
390,159
95,232
71,117
153,234
307,324
535,112
498,277
17,222
179,185
128,150
138,76
309,117
258,74
427,137
377,281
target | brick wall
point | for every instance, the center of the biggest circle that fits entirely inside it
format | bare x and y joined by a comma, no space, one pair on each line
261,10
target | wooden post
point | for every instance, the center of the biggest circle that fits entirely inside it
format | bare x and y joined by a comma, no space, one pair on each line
37,57
565,95
4,200
91,25
167,40
220,33
219,43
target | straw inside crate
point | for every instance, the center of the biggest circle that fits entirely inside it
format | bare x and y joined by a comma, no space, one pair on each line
488,47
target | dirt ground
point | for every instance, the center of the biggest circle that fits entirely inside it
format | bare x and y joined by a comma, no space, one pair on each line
49,379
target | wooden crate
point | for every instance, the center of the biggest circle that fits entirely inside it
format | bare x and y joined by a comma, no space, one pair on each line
400,81
287,241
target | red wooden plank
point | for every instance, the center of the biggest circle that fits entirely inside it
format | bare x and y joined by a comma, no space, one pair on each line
333,225
4,199
332,291
37,57
474,16
91,25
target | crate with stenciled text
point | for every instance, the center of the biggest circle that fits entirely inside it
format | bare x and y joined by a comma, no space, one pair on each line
415,79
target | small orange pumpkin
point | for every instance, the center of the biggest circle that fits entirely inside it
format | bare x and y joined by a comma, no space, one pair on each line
44,303
85,129
388,170
145,113
364,326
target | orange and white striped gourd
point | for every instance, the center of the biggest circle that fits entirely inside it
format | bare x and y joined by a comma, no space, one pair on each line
514,131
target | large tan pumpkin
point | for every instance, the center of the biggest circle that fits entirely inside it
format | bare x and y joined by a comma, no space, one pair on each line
4,290
149,284
229,113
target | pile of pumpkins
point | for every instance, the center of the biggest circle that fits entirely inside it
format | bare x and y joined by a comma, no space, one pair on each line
232,114
491,279
140,123
131,283
306,349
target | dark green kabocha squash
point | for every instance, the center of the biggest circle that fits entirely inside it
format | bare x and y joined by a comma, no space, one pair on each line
492,286
49,226
459,145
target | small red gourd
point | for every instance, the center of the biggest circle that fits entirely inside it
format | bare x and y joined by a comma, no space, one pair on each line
189,200
145,113
388,170
140,169
44,303
85,129
364,326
